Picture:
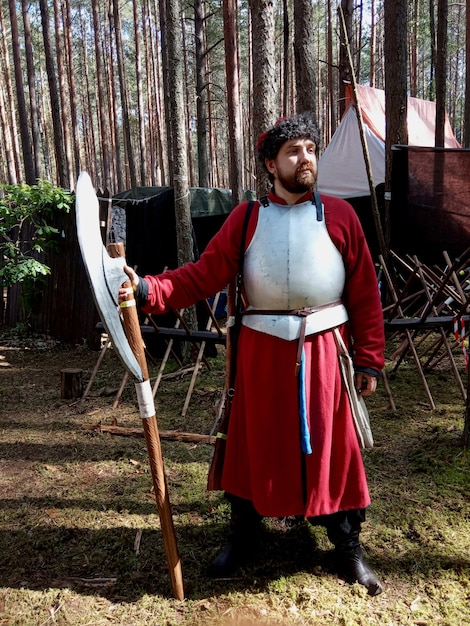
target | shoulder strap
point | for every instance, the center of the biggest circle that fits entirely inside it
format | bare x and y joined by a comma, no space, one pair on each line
238,305
319,206
243,237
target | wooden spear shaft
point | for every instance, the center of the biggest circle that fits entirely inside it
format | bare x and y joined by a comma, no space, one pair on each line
152,438
375,209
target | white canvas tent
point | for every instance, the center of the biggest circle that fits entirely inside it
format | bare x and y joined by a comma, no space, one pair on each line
341,168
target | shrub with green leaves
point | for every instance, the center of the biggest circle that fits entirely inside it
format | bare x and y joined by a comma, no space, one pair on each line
26,232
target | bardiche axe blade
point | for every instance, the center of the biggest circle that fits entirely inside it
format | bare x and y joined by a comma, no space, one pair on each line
105,274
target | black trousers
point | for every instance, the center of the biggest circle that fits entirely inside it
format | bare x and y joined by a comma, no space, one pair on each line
340,526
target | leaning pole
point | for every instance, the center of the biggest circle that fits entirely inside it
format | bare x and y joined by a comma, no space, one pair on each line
106,275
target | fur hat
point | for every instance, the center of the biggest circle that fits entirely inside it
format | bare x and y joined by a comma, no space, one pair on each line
300,125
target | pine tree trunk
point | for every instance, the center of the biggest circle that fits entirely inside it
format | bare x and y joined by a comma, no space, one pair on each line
54,96
214,162
27,149
184,239
264,78
140,98
396,95
233,102
124,96
344,69
331,127
466,125
149,71
358,45
286,57
31,73
441,72
166,86
11,117
201,95
177,119
115,147
305,75
432,43
71,71
6,134
105,175
63,92
155,94
88,110
187,105
456,62
414,49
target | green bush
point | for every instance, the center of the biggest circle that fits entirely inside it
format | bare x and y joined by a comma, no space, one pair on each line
26,215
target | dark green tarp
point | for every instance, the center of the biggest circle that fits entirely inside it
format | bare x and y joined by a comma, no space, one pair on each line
204,201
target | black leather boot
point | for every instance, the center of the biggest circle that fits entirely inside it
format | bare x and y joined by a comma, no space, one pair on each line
241,538
343,531
354,568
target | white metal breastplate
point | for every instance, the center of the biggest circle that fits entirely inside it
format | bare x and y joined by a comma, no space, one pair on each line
292,263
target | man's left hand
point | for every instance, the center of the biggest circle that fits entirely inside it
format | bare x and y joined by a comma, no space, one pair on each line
365,383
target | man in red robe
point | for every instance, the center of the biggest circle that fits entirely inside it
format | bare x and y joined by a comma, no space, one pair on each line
292,447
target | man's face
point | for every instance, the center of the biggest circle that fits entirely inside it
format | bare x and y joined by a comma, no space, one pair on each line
295,166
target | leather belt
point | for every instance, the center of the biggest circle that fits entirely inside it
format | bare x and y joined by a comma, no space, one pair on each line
303,313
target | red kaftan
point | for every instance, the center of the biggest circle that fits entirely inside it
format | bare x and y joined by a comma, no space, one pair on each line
264,462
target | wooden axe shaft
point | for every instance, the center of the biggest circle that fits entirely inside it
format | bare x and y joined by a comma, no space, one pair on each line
152,438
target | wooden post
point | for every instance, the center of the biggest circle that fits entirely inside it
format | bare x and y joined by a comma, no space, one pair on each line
152,438
71,383
95,369
466,427
373,196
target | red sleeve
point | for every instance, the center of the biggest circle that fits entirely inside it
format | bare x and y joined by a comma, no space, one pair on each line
217,266
361,295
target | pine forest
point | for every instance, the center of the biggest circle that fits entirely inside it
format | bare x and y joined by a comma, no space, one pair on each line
105,86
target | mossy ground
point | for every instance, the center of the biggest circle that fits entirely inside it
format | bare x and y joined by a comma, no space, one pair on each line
80,538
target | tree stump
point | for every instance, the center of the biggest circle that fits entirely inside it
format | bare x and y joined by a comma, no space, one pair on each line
71,383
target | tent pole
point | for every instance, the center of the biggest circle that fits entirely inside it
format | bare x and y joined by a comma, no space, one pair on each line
373,195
